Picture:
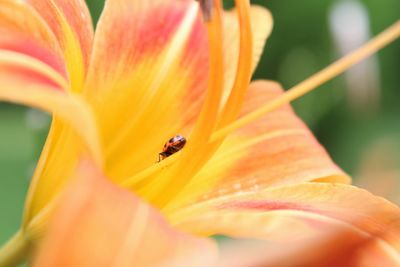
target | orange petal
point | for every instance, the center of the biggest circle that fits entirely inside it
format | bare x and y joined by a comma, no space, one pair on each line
23,31
71,23
280,147
276,150
99,224
295,212
333,248
137,78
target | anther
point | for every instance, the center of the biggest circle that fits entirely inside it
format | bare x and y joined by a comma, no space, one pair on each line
206,8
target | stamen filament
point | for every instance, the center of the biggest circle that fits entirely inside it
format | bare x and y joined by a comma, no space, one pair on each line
333,70
148,172
236,98
14,251
205,124
244,68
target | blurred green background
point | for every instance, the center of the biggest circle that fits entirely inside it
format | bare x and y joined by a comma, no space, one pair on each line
356,116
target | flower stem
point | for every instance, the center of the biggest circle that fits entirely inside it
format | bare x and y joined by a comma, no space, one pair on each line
15,251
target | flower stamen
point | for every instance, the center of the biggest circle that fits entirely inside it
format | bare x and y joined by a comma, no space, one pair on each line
232,107
330,72
206,8
244,68
205,123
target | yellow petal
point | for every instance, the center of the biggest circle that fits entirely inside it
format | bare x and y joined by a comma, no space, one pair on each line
99,224
32,72
62,150
69,110
71,23
139,77
29,81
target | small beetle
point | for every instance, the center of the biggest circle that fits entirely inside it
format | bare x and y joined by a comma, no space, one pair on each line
173,145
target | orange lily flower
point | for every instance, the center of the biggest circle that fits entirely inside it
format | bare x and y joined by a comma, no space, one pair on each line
154,69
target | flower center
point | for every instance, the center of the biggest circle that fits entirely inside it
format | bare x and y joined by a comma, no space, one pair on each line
216,122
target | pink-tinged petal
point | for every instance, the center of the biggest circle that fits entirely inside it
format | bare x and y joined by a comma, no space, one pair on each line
71,23
22,30
295,212
278,149
27,81
99,224
281,148
335,247
17,73
117,51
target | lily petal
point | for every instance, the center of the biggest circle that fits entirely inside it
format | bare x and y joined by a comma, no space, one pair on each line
276,150
28,81
117,52
99,224
33,73
23,31
280,147
332,248
294,212
71,23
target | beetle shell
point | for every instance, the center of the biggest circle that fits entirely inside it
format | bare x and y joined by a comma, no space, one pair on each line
173,145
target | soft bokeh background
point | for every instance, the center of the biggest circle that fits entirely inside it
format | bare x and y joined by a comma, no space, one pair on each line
356,116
